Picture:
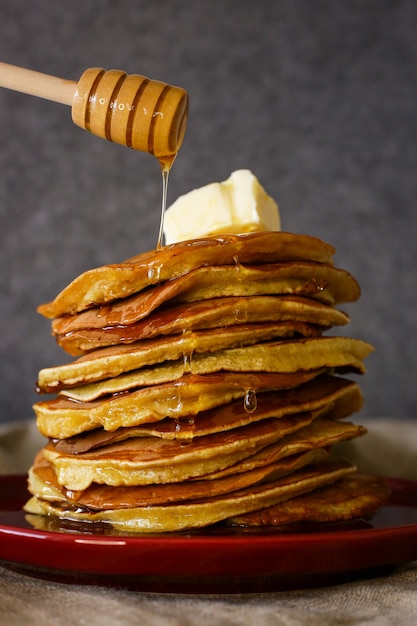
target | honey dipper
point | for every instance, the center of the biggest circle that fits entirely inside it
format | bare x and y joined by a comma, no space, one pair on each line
131,110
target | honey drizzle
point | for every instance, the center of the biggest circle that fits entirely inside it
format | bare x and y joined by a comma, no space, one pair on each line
166,164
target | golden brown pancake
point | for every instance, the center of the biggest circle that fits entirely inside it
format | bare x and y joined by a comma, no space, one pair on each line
257,368
261,359
151,460
177,354
353,496
201,512
75,337
305,446
265,367
44,485
189,395
288,356
110,282
319,433
334,396
324,283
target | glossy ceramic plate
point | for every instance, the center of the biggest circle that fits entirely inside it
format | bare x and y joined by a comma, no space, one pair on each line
216,561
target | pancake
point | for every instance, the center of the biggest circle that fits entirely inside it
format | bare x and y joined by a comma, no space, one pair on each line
255,360
110,282
188,396
323,283
104,363
352,497
43,483
76,334
334,396
201,512
254,368
306,446
319,433
150,460
287,356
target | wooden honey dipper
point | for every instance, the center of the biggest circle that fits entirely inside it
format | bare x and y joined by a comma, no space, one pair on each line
133,110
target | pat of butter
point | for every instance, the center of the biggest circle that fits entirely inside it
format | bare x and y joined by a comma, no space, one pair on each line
237,205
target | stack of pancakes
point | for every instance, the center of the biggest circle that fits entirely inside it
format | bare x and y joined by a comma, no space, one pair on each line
203,390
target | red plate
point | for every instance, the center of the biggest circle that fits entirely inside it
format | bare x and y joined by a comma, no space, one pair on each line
218,561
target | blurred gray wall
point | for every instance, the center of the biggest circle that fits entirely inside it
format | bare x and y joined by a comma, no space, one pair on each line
317,97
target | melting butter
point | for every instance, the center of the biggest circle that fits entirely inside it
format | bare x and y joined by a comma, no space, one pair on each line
237,205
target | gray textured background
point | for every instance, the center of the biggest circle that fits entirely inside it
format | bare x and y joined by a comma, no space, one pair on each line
317,97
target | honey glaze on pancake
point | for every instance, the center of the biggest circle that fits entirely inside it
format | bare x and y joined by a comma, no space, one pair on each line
61,418
299,280
151,460
324,283
335,396
287,311
145,461
192,393
286,356
306,445
201,512
111,282
43,483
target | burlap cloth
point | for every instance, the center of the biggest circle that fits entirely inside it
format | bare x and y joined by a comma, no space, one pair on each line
390,448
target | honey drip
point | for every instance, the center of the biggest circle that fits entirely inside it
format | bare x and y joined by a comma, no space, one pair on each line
187,363
241,313
238,265
175,405
250,401
185,426
187,354
154,273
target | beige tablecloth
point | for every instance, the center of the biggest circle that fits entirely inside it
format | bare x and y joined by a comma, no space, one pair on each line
390,448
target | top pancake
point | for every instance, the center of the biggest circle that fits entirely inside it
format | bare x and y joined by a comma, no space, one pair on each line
111,282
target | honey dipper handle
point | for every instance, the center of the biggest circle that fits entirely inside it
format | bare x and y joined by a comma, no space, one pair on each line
37,84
